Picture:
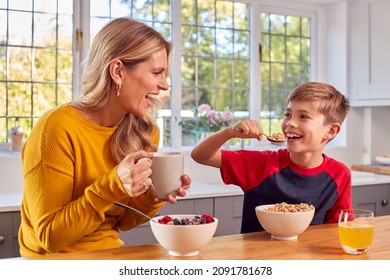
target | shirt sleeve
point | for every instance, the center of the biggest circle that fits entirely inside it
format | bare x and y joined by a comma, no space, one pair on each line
344,189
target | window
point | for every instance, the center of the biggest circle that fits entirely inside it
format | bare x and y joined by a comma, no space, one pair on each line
35,60
213,58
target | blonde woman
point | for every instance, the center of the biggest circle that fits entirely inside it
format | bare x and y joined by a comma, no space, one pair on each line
82,156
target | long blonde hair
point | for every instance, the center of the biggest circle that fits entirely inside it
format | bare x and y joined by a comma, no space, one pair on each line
132,42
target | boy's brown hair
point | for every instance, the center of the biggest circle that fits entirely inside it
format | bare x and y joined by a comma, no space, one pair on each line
332,104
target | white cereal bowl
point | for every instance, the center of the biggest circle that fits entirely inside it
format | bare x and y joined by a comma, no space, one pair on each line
183,240
283,225
383,160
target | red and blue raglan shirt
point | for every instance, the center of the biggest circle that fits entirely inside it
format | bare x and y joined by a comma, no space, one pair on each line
269,177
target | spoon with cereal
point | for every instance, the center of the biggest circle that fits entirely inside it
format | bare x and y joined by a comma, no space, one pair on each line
276,138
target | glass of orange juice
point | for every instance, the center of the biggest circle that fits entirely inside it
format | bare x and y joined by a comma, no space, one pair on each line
356,230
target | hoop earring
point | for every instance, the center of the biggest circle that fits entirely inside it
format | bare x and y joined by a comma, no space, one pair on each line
118,88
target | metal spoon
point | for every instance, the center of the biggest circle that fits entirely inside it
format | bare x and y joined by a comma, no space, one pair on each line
269,138
133,209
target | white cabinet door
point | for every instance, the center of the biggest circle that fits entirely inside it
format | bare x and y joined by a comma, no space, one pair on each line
370,52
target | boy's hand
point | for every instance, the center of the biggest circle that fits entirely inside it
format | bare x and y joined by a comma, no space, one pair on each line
248,129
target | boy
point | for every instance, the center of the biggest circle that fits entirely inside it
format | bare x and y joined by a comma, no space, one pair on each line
300,173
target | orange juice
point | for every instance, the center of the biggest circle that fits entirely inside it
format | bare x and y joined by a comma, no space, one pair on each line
356,234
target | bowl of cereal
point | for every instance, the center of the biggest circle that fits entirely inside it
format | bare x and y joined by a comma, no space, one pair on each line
184,235
285,221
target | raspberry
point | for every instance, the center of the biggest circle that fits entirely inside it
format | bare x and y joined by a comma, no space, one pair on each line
165,220
208,218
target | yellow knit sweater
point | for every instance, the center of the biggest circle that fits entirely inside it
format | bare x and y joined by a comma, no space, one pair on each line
70,182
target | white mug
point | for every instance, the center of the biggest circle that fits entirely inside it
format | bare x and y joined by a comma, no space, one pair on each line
167,169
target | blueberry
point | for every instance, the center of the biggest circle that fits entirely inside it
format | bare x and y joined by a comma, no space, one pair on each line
176,221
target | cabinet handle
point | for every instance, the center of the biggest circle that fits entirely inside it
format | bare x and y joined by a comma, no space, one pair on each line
2,239
385,202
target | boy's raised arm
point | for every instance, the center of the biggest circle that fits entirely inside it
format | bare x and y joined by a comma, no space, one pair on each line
208,151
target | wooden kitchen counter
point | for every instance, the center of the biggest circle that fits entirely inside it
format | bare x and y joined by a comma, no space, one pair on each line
319,242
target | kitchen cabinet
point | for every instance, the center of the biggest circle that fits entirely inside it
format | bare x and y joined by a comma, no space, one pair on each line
372,197
9,226
227,209
370,56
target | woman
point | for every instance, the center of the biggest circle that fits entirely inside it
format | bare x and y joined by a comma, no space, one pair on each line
82,156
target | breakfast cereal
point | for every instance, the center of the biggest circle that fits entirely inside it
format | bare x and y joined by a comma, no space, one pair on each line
285,207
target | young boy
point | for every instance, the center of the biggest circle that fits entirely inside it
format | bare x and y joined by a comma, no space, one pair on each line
300,173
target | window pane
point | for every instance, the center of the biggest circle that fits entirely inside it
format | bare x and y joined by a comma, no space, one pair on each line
206,13
277,24
20,34
188,71
241,44
206,72
293,26
101,9
3,97
64,93
45,30
44,65
188,98
278,47
224,73
3,31
143,10
3,63
19,99
20,4
189,37
224,17
188,12
19,64
162,11
241,74
3,132
293,49
206,41
119,8
65,8
65,32
64,67
241,100
241,16
45,6
44,97
224,99
224,40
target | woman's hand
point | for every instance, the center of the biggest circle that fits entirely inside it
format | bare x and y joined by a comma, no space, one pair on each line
181,191
134,171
